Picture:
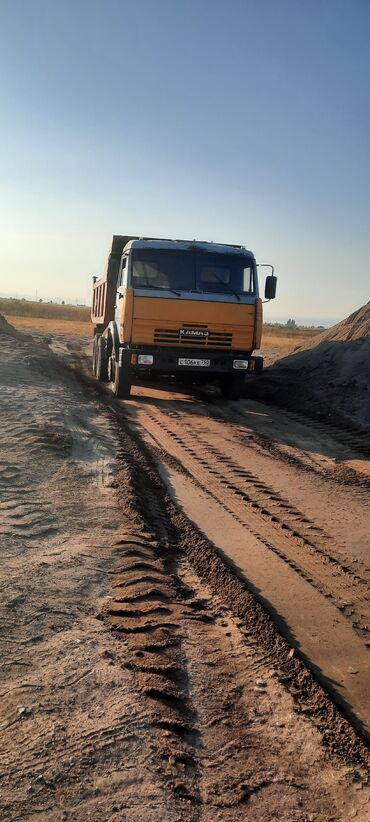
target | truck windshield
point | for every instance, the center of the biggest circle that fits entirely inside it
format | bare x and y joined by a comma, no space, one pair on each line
193,271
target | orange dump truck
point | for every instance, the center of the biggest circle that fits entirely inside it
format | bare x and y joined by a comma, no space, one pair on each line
183,309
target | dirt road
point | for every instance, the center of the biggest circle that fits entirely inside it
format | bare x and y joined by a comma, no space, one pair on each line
287,502
142,678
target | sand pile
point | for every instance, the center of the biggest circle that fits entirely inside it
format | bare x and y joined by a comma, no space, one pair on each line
6,328
330,375
354,327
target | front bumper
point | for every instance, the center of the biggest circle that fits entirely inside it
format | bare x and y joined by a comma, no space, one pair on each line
166,360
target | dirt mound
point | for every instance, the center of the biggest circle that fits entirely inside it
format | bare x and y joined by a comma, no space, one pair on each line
6,328
329,376
354,327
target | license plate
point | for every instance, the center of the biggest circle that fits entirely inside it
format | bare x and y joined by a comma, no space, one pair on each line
193,362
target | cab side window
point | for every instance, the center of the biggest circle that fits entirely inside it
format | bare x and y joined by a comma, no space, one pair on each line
248,281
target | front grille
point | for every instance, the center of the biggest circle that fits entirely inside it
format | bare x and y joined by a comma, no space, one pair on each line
166,335
220,338
172,336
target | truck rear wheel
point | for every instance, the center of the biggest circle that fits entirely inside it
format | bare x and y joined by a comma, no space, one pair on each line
122,382
95,354
102,360
232,386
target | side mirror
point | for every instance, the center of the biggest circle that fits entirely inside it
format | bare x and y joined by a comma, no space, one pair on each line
270,287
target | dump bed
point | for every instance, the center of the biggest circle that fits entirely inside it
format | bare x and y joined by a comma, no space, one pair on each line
104,289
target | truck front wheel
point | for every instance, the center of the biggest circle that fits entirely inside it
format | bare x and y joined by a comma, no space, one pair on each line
122,382
101,360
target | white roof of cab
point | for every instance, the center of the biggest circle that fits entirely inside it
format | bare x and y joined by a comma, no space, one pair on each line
186,245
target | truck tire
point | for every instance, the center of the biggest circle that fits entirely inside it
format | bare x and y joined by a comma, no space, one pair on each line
102,360
232,386
122,382
95,355
258,365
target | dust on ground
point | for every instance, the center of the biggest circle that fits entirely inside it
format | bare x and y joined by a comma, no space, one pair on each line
129,690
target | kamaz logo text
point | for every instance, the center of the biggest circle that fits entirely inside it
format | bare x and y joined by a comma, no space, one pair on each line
193,332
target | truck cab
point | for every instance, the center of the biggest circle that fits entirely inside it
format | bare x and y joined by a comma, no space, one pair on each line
187,309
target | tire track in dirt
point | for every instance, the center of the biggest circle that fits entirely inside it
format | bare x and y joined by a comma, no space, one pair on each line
251,754
213,703
288,438
305,546
351,443
76,735
145,610
345,607
353,689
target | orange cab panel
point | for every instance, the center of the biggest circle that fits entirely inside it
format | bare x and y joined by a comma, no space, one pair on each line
159,322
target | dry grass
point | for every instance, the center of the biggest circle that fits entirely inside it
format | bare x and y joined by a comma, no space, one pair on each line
286,339
278,342
52,311
47,318
41,325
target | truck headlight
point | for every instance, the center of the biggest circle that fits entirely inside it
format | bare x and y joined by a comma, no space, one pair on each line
243,364
145,359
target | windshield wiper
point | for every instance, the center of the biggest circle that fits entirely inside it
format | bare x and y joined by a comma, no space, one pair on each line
229,287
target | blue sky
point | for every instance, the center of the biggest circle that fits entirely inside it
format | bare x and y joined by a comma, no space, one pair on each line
239,121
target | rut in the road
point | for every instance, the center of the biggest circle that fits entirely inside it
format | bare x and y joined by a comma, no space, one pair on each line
208,693
306,551
146,610
279,525
247,708
211,701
